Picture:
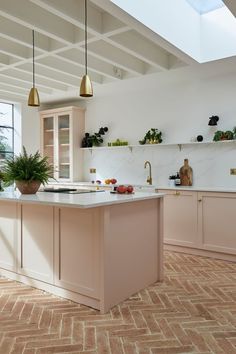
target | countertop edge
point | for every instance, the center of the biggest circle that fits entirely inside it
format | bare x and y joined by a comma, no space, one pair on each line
25,199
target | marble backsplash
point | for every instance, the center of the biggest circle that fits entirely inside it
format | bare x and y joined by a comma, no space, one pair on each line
211,163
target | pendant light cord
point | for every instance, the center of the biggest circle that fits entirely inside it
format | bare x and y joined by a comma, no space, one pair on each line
33,61
86,38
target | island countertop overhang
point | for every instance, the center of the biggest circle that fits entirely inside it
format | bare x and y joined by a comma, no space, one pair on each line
83,201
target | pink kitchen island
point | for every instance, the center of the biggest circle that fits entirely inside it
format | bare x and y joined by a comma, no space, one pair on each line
96,249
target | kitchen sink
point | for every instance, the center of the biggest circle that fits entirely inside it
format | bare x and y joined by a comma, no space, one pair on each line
149,189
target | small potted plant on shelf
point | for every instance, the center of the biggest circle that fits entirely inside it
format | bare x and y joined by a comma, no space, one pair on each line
153,136
220,135
28,171
95,139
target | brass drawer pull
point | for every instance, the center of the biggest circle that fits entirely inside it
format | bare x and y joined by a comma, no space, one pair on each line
200,200
177,193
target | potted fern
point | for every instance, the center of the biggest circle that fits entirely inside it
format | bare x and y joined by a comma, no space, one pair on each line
28,171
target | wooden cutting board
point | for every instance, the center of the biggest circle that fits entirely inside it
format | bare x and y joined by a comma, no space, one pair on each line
186,174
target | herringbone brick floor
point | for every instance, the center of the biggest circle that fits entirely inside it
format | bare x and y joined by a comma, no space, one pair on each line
192,311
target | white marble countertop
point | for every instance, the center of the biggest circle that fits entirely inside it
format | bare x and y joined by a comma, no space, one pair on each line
85,200
146,187
199,189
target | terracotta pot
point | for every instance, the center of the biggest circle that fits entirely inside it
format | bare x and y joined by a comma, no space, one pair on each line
26,187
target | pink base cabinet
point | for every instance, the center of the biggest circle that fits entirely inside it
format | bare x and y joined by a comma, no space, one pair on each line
200,223
95,256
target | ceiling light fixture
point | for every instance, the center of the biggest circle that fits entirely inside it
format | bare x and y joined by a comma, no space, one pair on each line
86,88
33,99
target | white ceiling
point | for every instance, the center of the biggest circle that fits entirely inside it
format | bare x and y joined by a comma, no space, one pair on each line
119,47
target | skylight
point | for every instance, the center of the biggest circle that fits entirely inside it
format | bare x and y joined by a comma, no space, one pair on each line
204,6
203,29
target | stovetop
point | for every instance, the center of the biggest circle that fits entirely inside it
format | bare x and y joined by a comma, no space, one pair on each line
71,190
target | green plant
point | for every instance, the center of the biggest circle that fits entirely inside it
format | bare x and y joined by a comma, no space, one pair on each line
153,136
227,135
94,139
27,168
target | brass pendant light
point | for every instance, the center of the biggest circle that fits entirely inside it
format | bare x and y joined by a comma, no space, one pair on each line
33,99
86,88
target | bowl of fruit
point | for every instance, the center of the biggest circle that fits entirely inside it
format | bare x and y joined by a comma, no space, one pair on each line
122,189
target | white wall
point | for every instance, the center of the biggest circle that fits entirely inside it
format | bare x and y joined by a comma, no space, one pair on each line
178,103
30,128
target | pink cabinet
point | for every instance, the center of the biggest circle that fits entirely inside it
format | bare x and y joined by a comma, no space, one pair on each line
217,222
202,223
180,218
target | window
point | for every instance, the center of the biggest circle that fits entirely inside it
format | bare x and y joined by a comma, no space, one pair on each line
6,131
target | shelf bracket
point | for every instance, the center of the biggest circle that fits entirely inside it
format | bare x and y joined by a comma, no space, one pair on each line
180,147
131,148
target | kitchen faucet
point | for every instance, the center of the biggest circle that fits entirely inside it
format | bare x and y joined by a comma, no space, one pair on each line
149,178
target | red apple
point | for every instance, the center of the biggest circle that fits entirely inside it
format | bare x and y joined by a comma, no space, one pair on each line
130,189
121,189
113,181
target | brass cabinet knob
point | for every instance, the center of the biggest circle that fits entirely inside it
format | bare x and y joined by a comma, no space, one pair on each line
177,193
200,200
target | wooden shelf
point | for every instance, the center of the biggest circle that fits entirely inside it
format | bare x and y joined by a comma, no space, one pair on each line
65,164
48,145
66,144
48,130
179,145
64,129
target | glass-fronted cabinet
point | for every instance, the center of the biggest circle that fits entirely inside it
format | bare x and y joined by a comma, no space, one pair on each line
62,131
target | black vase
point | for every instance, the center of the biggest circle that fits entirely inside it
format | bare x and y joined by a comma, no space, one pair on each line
213,120
199,138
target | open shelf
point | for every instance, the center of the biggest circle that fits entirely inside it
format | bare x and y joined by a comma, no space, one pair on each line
179,145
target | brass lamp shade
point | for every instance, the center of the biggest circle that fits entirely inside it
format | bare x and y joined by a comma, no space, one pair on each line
86,88
33,99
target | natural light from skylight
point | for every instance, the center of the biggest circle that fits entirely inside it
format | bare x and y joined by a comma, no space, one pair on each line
203,29
204,6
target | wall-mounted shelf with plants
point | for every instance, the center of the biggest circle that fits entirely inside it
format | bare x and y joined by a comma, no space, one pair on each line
178,145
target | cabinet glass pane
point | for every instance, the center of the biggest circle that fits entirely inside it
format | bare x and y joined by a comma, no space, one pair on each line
64,145
64,171
48,138
64,129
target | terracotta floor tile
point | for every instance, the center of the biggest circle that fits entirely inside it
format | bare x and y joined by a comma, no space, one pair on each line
192,311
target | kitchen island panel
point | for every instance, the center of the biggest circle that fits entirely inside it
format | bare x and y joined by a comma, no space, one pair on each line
35,251
96,250
132,248
77,250
8,235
